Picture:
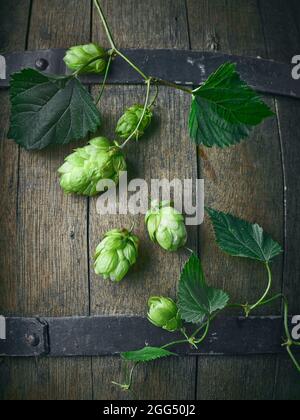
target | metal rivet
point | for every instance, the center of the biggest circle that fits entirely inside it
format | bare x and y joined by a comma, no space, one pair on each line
41,64
33,340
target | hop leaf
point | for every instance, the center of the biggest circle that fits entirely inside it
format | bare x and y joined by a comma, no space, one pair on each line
239,238
50,110
116,254
196,299
225,109
147,354
84,168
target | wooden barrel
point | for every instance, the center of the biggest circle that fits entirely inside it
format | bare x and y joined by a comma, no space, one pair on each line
47,239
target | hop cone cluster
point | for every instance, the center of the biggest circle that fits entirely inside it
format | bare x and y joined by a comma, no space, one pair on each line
116,254
80,55
128,123
88,165
166,226
163,312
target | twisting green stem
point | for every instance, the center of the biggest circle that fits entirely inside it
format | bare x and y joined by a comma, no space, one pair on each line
142,116
132,227
272,299
174,343
211,318
106,27
286,319
154,98
200,340
131,375
257,304
189,250
198,330
289,344
190,340
172,85
184,333
293,358
134,66
104,80
112,42
127,386
116,51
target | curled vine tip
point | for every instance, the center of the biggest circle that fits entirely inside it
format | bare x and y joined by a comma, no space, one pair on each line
124,387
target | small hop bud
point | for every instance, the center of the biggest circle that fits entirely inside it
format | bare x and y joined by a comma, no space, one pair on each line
166,226
163,313
87,166
116,254
128,123
80,55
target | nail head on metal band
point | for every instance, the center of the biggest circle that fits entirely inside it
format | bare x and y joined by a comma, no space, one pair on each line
41,64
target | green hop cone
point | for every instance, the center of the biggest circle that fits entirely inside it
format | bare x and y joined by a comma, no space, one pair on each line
128,123
163,313
116,254
166,226
83,169
80,55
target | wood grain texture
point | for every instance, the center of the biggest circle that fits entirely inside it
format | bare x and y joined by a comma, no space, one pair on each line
12,14
55,225
136,24
257,382
46,237
153,381
281,28
156,272
282,34
44,379
18,13
165,153
52,229
242,186
9,160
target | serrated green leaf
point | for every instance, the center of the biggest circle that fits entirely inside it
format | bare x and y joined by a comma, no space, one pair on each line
50,110
148,354
225,109
239,238
196,300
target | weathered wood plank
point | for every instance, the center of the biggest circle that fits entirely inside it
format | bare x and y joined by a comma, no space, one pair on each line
281,28
18,13
56,225
12,14
61,379
282,33
52,230
9,159
229,27
242,186
162,25
170,379
239,379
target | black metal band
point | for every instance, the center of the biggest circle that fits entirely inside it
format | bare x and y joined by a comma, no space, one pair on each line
188,68
103,336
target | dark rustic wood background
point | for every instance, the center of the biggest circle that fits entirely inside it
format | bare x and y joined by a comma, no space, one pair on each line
47,239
